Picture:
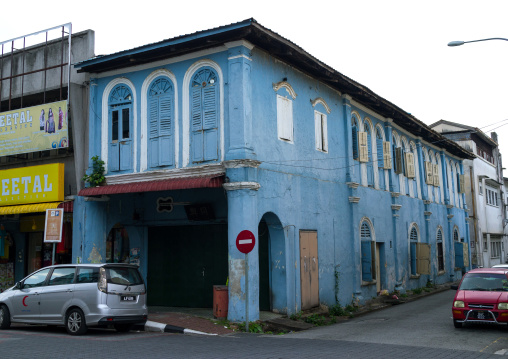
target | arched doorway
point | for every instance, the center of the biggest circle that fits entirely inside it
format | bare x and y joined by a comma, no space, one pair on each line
272,265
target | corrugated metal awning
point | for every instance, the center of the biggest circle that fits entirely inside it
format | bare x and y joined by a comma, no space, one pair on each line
68,206
29,208
154,186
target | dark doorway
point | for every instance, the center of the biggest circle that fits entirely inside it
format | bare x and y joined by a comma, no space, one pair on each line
184,263
264,267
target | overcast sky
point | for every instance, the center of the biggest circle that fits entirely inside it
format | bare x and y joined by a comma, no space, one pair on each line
398,49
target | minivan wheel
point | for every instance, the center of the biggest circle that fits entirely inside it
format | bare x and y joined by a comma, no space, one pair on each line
457,324
123,328
5,317
75,322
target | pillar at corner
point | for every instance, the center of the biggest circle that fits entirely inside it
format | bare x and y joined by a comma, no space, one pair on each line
242,215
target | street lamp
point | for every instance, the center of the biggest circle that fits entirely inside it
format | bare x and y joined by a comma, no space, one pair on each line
459,43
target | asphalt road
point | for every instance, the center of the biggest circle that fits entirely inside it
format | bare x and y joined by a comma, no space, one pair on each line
420,329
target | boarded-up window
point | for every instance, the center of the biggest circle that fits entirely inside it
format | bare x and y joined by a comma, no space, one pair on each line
423,258
461,184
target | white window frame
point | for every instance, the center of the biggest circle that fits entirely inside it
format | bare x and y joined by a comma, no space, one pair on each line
321,131
284,119
491,197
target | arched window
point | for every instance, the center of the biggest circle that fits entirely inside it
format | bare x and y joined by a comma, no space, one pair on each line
380,157
368,254
120,126
460,249
355,129
204,94
413,241
370,169
161,123
440,251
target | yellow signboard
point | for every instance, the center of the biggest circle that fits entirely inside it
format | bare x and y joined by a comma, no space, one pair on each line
33,129
35,184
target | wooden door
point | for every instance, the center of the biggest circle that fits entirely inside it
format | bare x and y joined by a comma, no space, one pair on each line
309,269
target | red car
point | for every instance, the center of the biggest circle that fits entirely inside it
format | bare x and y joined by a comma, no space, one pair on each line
482,297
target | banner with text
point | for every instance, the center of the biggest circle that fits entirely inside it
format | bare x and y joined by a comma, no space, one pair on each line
32,129
36,184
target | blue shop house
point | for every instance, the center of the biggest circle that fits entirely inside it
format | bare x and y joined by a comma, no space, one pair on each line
233,129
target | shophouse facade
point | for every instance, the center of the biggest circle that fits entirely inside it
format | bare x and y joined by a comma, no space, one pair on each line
234,129
485,192
43,120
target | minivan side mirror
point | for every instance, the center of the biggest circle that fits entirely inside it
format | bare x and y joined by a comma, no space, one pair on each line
454,287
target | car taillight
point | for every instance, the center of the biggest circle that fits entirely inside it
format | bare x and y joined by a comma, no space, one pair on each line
103,282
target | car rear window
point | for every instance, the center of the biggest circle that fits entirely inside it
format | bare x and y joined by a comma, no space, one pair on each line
484,282
88,275
124,276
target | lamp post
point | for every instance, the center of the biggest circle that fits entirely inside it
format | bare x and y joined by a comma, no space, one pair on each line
460,43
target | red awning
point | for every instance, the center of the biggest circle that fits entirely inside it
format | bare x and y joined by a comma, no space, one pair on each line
153,186
68,206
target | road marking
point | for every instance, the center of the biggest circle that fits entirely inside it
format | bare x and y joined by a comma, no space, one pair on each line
501,352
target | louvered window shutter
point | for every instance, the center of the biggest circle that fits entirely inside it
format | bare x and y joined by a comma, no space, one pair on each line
429,173
197,125
380,156
366,261
153,132
410,165
387,155
461,184
459,254
355,142
210,123
435,174
398,160
364,150
165,130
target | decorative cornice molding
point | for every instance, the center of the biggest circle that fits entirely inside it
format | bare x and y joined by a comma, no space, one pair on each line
287,86
234,186
205,170
395,194
450,216
427,201
322,102
353,185
354,199
427,213
396,207
241,163
449,206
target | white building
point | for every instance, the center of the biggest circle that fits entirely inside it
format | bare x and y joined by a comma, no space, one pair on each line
485,192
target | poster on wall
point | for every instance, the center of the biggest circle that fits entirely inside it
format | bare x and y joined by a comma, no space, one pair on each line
32,129
53,226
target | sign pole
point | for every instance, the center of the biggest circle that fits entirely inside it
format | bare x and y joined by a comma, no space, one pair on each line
247,292
245,242
54,251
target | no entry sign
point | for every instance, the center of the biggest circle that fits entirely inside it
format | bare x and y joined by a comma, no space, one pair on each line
245,241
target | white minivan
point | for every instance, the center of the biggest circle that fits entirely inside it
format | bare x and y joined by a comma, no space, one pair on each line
77,296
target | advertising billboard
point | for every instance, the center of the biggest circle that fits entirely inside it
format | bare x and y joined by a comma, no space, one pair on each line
36,184
32,129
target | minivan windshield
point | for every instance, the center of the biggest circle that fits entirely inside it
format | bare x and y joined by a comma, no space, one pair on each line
124,276
485,282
